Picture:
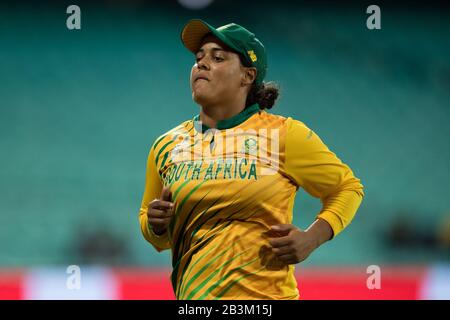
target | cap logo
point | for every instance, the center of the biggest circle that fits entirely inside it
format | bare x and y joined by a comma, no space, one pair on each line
252,55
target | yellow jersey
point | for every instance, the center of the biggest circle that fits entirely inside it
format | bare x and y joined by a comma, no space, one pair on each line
229,185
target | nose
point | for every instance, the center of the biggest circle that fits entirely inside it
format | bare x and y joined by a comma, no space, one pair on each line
201,64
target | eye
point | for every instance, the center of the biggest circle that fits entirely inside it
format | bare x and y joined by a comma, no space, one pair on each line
199,56
218,59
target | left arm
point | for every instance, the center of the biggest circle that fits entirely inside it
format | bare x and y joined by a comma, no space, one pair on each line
312,166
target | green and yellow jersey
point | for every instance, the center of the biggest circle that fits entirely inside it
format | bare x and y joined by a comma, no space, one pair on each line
229,185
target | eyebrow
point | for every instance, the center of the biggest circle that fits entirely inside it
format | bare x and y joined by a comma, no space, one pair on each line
212,49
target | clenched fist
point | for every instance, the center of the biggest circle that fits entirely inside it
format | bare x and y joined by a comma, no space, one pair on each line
160,212
293,245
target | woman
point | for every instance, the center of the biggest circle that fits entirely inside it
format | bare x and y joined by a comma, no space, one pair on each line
220,188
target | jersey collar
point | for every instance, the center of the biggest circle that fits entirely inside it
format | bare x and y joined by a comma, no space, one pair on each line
230,122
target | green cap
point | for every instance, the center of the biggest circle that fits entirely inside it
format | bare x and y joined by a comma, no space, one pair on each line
233,35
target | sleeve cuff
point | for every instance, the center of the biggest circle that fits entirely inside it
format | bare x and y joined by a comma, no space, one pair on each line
160,242
333,220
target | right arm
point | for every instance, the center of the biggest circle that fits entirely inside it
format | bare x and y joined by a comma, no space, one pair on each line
153,190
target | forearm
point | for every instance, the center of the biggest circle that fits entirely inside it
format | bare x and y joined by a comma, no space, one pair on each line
320,231
339,209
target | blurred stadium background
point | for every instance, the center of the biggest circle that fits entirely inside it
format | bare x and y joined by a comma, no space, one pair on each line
79,110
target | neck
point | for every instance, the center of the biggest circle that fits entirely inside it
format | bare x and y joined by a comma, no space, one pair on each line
211,114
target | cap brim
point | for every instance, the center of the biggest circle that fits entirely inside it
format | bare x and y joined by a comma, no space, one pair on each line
195,30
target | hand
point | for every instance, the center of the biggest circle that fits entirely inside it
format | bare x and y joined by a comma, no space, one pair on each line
160,212
293,244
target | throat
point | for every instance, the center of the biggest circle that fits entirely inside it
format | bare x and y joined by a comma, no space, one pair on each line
210,116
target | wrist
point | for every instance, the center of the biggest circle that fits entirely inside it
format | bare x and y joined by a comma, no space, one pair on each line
320,232
315,240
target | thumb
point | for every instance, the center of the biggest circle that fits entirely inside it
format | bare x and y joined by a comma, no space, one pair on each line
166,194
283,229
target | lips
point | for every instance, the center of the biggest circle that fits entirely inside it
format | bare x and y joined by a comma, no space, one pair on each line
201,78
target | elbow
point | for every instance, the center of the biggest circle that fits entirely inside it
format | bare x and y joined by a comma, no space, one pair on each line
353,184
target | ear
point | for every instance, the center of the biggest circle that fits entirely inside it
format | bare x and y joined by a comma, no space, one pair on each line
249,76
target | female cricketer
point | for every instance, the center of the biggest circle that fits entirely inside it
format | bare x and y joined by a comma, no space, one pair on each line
220,187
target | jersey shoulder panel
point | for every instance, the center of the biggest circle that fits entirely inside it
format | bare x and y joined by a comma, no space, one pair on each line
169,136
168,140
272,120
297,128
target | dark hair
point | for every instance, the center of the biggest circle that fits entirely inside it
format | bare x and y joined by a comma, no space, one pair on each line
264,94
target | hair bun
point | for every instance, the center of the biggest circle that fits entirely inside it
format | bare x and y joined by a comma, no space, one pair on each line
267,95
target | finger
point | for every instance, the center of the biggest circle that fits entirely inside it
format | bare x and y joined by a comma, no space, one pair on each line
155,213
158,221
284,229
166,194
280,242
288,259
283,250
161,204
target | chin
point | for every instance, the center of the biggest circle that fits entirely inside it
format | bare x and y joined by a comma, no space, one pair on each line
200,98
